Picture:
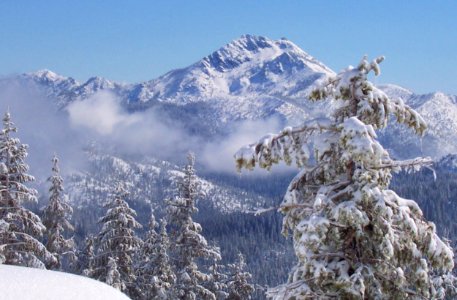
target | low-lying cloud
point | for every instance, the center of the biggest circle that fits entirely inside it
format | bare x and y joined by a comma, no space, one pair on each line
218,155
147,133
44,129
102,118
101,113
137,133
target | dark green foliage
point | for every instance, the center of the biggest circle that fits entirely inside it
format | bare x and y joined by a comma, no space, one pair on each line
269,256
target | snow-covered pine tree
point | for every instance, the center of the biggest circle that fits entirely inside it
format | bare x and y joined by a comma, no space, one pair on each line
239,286
19,227
353,237
56,216
189,244
86,257
217,282
163,272
155,275
118,242
145,269
113,277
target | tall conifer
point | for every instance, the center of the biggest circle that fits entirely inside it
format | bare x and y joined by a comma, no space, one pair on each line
353,237
20,228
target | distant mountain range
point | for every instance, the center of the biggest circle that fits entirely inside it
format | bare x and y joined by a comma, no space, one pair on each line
252,78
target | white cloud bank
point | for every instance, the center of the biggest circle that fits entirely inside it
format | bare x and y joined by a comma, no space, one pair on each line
143,132
147,133
101,113
102,118
218,155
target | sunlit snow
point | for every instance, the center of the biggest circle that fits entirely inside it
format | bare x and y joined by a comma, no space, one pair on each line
20,283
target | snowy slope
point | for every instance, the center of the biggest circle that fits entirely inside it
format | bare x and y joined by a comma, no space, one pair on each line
151,181
448,162
20,283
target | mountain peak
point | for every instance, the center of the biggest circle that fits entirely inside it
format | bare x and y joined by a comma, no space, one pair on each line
98,81
250,43
237,52
250,66
257,50
45,74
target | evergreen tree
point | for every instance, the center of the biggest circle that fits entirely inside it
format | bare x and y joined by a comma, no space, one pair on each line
155,275
86,258
117,243
56,218
163,271
19,227
238,285
353,237
190,245
217,282
113,277
145,269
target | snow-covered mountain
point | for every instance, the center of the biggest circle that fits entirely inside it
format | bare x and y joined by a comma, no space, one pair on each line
438,110
251,78
250,66
248,79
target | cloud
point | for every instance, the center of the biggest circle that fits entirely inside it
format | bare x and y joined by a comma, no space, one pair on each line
138,133
102,118
218,155
150,133
43,128
101,113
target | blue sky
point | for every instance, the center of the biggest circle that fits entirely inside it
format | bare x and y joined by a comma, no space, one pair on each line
132,41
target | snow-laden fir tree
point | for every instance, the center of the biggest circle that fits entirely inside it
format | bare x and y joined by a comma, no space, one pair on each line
239,285
155,276
163,273
117,242
20,229
56,216
145,269
86,257
189,244
113,277
217,282
353,237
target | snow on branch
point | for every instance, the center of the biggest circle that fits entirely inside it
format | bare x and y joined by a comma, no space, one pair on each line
273,148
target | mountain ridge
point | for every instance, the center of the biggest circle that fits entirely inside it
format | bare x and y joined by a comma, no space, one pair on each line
253,78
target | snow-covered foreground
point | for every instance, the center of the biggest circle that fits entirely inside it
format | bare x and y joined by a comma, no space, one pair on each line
20,283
